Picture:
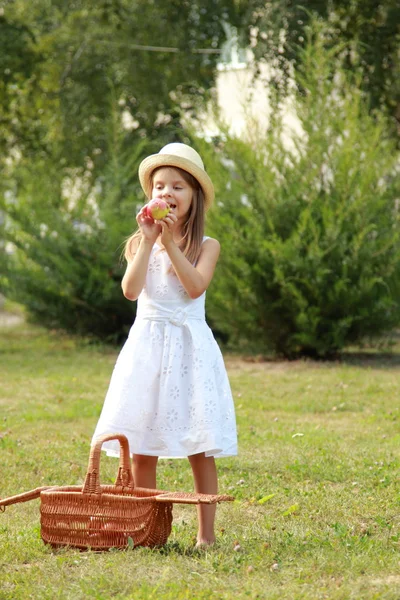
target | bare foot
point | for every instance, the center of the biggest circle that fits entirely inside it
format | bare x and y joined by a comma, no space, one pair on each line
205,543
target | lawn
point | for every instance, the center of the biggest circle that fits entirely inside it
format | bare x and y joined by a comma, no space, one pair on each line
316,482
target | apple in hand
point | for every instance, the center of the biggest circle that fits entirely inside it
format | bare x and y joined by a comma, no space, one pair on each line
157,208
145,212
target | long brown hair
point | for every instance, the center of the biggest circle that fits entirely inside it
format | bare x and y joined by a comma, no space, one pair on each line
193,229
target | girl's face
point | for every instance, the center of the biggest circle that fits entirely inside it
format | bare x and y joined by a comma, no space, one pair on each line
169,185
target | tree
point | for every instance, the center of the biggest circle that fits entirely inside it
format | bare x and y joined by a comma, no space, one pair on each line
64,61
278,31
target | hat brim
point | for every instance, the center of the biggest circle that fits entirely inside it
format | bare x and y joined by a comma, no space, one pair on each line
154,161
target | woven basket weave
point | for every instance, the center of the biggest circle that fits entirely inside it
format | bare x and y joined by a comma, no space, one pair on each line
107,516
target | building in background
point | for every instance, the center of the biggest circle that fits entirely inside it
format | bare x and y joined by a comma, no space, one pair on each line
241,99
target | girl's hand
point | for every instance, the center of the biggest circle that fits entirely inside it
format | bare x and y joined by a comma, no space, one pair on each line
167,225
150,229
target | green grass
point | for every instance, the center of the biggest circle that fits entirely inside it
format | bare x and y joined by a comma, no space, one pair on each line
317,510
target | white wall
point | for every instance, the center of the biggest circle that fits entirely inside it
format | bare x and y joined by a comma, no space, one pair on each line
242,103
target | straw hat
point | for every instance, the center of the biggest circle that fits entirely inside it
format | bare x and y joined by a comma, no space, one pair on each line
181,156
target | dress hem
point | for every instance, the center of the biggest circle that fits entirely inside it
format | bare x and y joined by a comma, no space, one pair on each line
209,454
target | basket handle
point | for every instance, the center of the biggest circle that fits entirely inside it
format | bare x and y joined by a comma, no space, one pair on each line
25,497
124,475
192,498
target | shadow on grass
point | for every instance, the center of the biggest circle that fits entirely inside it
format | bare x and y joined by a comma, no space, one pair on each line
174,548
371,360
170,548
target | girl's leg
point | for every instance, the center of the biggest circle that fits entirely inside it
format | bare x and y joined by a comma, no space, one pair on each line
205,482
144,470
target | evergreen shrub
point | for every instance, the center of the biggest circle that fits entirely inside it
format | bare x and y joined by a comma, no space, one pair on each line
63,239
309,227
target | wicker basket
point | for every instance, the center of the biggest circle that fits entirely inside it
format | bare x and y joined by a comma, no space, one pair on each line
107,516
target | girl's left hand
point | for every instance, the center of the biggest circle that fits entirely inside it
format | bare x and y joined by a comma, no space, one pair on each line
167,227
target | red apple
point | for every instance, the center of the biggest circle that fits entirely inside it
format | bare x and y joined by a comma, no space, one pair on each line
158,208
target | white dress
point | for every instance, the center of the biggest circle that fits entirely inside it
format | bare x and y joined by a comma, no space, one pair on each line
169,391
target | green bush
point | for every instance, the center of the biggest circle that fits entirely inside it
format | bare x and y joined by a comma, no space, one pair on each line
63,251
310,233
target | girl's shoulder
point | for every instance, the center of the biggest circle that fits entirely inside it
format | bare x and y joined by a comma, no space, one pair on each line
210,244
210,247
210,241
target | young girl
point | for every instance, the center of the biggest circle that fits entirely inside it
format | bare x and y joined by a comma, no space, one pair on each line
169,392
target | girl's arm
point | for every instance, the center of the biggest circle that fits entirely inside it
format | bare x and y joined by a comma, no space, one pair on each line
135,274
196,279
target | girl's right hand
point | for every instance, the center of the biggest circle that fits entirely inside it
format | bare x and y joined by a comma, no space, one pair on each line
149,228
